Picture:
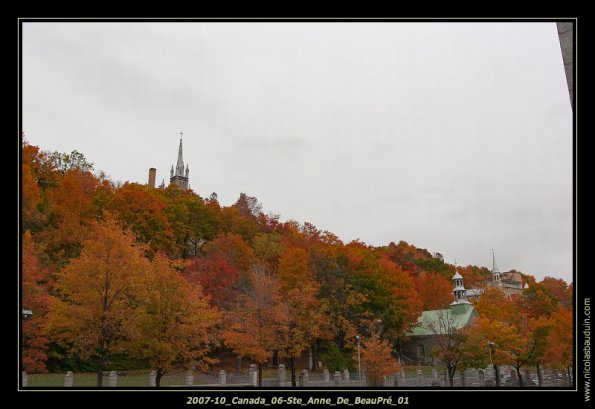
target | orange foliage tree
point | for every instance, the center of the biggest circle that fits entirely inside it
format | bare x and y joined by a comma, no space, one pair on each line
174,322
299,291
377,360
99,292
435,291
35,299
142,210
559,343
255,321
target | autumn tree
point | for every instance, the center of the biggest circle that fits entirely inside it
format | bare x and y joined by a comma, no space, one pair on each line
341,304
268,249
537,300
301,327
293,269
71,214
561,291
559,353
377,360
217,277
435,291
492,342
174,320
496,305
301,306
35,283
98,293
30,196
231,221
142,210
192,221
248,206
449,335
255,321
389,290
65,162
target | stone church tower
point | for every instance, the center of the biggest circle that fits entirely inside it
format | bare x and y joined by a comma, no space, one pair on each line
180,176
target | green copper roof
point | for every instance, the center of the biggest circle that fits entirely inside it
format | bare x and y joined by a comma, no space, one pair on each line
437,321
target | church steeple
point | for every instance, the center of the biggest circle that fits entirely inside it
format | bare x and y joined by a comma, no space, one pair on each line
180,164
495,269
459,292
180,176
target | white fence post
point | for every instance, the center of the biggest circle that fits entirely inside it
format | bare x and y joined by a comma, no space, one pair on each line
304,378
68,379
346,375
153,379
419,381
24,378
112,379
337,378
326,376
222,377
253,375
189,378
281,375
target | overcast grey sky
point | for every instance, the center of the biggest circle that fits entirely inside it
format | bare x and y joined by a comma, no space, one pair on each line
456,138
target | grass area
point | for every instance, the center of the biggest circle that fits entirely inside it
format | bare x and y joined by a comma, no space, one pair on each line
132,378
140,377
411,371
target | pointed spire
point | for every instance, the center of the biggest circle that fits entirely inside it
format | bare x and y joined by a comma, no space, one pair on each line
180,164
171,172
495,269
494,266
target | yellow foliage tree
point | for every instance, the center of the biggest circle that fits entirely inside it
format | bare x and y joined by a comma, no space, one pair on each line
175,320
99,292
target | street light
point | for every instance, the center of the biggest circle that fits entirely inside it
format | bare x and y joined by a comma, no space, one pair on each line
359,361
379,322
490,348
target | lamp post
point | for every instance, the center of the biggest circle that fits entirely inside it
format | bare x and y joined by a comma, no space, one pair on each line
496,374
359,361
379,323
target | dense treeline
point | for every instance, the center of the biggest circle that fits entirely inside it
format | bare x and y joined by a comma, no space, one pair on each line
166,279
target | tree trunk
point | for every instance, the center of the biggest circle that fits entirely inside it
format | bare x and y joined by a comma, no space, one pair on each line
539,379
100,368
292,366
451,374
158,376
259,375
315,353
497,375
518,372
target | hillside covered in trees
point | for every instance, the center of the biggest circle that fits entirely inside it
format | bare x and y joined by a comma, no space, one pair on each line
129,276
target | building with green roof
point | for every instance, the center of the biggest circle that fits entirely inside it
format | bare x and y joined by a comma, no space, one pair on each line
436,326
